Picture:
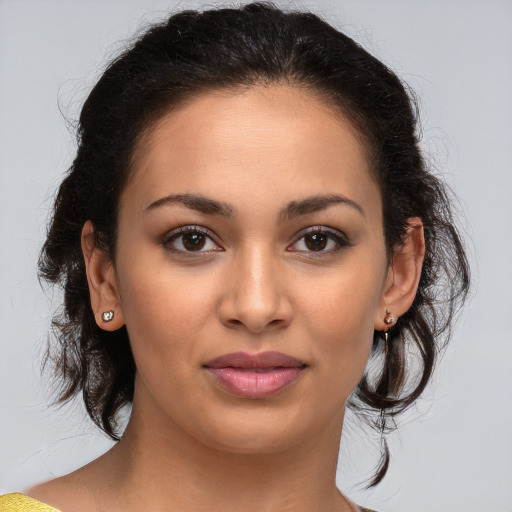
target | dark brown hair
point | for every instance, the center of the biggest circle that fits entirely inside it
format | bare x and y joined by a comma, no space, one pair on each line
193,52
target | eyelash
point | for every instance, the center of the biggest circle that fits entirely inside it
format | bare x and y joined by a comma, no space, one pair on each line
332,235
189,230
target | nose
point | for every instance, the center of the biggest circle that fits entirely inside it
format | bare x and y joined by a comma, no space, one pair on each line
255,297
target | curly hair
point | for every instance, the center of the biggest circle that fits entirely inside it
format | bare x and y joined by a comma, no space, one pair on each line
194,52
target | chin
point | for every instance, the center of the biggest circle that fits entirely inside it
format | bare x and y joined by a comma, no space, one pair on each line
263,432
257,443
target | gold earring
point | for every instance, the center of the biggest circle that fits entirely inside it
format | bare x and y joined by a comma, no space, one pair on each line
108,316
389,320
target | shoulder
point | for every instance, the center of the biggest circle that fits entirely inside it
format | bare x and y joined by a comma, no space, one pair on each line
17,502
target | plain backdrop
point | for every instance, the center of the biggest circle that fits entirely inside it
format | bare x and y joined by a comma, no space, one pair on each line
453,452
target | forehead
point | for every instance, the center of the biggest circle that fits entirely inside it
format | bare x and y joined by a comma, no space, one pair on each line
286,137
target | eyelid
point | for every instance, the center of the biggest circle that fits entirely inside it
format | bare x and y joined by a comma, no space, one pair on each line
338,236
186,229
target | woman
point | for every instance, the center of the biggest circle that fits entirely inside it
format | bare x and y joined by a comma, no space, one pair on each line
248,241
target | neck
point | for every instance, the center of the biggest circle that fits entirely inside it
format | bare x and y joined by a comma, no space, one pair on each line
158,466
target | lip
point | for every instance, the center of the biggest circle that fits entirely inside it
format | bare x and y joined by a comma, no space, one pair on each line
255,375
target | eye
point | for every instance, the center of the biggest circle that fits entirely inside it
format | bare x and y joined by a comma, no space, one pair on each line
319,240
188,239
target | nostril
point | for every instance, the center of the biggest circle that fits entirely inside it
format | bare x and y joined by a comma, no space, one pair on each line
235,323
254,312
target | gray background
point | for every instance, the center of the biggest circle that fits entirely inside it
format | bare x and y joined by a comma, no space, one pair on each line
453,452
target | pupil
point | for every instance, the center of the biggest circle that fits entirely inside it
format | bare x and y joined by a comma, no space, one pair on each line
316,242
194,241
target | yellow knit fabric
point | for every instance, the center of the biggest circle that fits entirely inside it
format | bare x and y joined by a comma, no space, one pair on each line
17,502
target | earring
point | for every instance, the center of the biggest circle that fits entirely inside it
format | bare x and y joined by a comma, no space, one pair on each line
108,316
389,320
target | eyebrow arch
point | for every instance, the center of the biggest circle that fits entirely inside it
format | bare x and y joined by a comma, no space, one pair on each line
194,202
291,210
315,204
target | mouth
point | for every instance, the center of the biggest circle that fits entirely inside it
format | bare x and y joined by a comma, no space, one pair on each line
255,375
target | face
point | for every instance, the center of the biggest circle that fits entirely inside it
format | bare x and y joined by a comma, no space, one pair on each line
250,268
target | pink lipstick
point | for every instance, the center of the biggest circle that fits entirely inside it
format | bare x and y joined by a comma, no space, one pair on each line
255,375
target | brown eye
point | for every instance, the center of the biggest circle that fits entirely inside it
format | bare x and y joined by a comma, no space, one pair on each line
190,239
193,241
316,241
321,240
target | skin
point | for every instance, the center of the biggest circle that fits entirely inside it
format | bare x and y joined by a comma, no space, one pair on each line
255,285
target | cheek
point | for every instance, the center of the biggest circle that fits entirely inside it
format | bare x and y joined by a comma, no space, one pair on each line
155,291
165,310
346,301
341,313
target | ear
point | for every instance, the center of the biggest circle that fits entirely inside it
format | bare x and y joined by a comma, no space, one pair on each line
403,275
102,281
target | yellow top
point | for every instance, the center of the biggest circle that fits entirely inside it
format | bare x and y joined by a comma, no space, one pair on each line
17,502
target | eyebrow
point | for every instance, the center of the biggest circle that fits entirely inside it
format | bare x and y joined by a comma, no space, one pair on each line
291,210
194,202
315,204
